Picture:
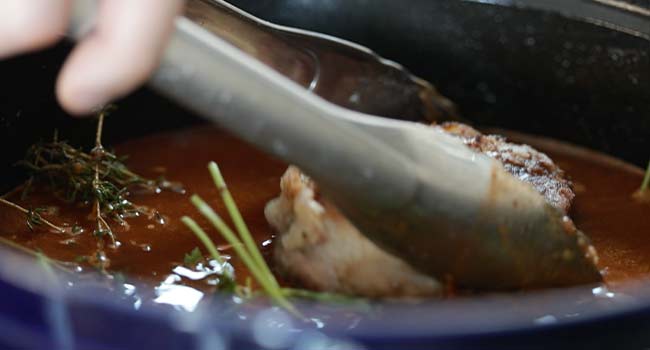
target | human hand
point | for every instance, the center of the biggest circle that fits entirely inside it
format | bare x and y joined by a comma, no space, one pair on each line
117,57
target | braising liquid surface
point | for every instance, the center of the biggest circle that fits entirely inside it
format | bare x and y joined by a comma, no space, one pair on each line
149,249
603,208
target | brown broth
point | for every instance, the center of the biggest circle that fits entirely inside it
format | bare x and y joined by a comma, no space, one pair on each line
149,251
604,208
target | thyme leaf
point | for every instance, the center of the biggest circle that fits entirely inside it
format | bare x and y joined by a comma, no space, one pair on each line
99,178
193,257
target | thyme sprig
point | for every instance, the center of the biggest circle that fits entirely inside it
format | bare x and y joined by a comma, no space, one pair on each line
98,178
34,217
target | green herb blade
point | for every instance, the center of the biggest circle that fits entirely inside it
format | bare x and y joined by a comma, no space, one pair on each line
646,180
239,222
260,275
204,238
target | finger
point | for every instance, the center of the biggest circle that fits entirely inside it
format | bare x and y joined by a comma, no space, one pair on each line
27,25
119,55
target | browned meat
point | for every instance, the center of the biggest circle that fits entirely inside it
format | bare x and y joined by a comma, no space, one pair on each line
322,250
522,161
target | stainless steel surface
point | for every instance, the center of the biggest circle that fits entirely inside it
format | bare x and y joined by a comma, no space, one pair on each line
626,17
339,71
417,192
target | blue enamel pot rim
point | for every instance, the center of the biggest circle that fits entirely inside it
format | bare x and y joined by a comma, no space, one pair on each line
499,313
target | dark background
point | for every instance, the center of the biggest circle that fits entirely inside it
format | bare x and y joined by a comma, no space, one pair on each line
533,71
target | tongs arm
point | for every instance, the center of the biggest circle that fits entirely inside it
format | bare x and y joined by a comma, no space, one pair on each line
221,83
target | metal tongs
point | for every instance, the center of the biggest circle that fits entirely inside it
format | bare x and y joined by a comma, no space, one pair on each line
417,192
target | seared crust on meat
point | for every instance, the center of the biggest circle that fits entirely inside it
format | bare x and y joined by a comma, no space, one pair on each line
524,162
322,250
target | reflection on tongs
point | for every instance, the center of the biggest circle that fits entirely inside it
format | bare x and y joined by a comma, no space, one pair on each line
341,72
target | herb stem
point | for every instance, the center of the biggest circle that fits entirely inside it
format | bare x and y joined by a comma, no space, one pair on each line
23,249
240,224
14,205
646,180
102,225
232,239
98,153
46,264
100,128
204,238
264,279
17,246
29,212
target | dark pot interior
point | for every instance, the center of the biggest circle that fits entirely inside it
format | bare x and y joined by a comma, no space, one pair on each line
505,66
